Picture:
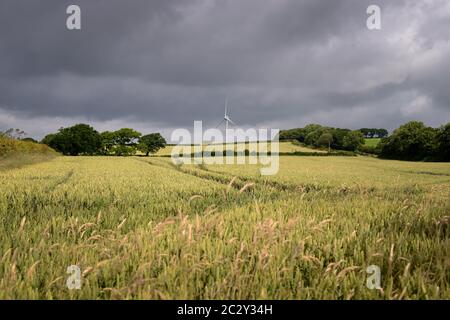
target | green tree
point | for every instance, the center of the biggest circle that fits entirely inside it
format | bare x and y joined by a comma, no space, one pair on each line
382,133
366,132
353,140
311,128
29,139
411,141
374,133
125,141
443,142
312,138
108,139
126,136
325,140
292,134
151,143
338,138
48,139
75,140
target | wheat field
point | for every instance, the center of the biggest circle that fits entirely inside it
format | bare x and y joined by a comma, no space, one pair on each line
143,228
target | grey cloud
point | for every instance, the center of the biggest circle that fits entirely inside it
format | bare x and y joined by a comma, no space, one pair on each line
165,63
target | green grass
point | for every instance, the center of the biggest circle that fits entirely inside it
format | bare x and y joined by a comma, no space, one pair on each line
372,142
142,228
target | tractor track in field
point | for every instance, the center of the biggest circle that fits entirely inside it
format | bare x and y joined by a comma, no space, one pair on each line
224,202
427,173
60,181
239,182
265,185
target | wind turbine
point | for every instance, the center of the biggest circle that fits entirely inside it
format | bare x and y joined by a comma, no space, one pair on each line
227,120
226,117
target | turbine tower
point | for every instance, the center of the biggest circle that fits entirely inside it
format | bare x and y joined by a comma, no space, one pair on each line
227,120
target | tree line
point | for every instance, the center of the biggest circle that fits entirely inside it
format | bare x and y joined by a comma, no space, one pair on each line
415,141
374,133
319,136
411,141
82,139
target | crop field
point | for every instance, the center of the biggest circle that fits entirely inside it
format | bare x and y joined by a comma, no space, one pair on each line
144,228
285,147
372,142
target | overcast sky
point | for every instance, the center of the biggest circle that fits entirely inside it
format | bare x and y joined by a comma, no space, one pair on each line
156,65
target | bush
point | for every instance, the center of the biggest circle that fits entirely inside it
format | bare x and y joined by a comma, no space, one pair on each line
369,149
353,140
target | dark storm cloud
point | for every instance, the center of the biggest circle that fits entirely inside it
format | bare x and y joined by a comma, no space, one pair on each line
162,64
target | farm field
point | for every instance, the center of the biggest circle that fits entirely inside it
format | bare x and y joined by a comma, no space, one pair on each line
285,147
372,142
143,228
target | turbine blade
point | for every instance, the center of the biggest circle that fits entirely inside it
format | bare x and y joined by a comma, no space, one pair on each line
220,123
226,108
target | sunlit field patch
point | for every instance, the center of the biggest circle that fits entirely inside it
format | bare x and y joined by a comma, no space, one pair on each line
284,147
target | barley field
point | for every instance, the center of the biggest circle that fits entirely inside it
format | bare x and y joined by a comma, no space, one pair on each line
143,228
